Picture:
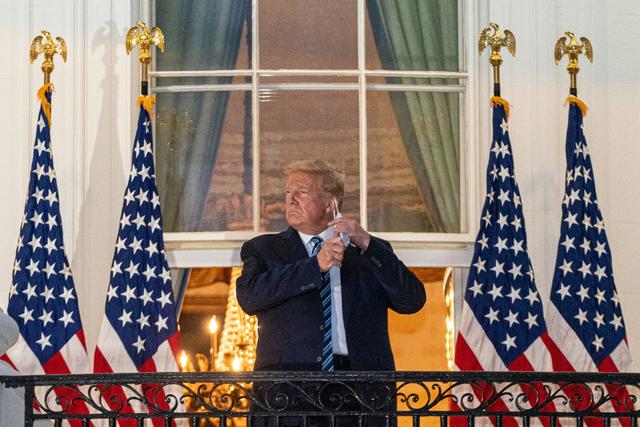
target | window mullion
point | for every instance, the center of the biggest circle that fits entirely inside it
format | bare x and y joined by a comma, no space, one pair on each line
362,114
255,132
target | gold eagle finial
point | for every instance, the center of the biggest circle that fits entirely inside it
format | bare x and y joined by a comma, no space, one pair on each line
140,35
572,49
497,41
44,44
493,37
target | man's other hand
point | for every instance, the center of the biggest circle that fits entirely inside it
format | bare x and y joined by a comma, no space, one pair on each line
331,254
353,229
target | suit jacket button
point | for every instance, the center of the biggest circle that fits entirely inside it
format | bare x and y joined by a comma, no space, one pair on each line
322,327
319,359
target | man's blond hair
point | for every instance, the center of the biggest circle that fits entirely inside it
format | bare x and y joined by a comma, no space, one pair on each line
332,177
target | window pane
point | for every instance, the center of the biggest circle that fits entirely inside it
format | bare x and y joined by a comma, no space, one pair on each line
412,35
308,34
204,162
204,34
413,169
297,125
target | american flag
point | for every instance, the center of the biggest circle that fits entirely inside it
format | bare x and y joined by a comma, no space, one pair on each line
139,330
502,325
585,316
42,297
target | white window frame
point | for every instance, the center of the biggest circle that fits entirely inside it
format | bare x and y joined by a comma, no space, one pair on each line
203,249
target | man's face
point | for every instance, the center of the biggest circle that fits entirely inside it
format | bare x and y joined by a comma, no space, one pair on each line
307,204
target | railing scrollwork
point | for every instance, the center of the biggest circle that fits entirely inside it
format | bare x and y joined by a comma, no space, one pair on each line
205,398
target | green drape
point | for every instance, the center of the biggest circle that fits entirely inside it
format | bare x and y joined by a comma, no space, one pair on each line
199,35
423,35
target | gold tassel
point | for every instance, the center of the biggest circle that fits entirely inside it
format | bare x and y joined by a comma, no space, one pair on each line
46,105
579,102
147,102
496,100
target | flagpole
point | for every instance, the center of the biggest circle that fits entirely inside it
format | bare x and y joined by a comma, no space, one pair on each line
573,49
44,44
140,35
496,40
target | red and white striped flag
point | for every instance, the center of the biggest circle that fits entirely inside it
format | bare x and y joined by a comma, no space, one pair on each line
585,316
139,330
502,325
42,297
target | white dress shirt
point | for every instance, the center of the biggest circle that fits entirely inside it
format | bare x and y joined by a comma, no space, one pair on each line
338,334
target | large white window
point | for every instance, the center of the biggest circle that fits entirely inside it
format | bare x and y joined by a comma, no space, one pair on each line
377,87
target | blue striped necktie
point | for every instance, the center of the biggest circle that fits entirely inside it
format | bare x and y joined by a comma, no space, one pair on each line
325,297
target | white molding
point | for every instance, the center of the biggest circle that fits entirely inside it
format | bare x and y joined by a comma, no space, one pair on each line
313,73
79,129
412,257
417,88
476,127
212,238
309,86
200,73
18,128
201,88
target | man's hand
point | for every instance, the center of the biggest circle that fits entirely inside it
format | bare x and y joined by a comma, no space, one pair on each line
351,227
331,254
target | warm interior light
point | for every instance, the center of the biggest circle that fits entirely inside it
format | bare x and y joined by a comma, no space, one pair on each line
213,325
236,365
183,360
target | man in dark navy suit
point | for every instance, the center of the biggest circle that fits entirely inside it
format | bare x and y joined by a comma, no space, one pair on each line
321,289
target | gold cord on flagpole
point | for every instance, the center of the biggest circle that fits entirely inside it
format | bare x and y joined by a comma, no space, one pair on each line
46,105
44,44
573,49
571,99
140,35
497,100
146,102
496,40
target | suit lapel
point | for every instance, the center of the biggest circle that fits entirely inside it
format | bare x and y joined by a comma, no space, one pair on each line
292,247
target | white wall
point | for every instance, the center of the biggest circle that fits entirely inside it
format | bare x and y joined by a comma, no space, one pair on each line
611,88
91,133
92,128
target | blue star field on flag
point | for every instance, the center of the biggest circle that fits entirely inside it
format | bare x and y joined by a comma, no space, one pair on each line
140,304
42,297
583,288
500,290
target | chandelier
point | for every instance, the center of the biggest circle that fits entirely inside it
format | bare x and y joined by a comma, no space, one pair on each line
237,344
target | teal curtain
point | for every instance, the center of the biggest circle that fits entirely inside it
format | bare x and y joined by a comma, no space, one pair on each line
423,35
199,35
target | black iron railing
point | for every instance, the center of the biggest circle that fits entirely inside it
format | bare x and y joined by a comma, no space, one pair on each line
334,399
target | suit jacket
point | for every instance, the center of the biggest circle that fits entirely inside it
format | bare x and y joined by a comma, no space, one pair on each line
280,284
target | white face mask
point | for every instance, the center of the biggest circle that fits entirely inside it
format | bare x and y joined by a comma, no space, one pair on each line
8,332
